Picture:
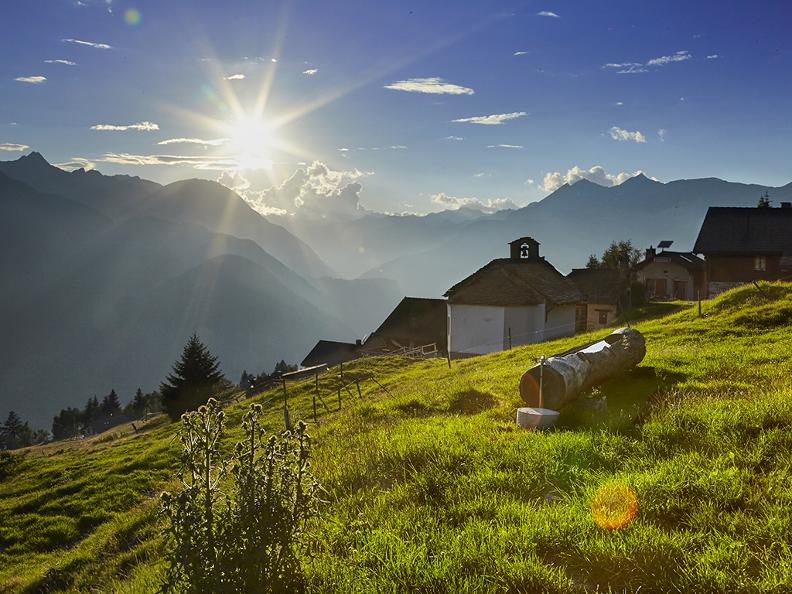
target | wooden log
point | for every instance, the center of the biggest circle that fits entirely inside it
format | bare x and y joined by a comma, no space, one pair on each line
567,376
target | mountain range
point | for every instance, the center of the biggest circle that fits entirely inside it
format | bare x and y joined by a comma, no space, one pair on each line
104,277
101,287
574,221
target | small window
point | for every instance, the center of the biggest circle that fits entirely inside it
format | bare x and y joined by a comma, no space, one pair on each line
603,317
760,263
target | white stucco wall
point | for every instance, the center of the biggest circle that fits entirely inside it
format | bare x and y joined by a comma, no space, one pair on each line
476,329
526,323
560,322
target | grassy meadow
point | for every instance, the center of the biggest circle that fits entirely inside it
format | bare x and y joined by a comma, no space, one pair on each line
432,487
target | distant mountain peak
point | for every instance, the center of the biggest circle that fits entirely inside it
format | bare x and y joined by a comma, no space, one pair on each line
34,157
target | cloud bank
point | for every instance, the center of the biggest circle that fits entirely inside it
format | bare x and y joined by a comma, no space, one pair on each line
455,203
12,147
596,174
313,190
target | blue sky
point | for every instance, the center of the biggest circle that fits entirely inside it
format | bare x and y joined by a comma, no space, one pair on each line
676,89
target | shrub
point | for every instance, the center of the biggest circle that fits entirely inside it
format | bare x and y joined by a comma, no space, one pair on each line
239,522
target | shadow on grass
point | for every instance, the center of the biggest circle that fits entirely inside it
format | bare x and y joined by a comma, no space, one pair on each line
654,310
471,402
618,404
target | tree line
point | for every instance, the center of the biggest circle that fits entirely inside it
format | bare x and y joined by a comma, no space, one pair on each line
99,415
194,378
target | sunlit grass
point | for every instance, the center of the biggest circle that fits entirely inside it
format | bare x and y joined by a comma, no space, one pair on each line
432,487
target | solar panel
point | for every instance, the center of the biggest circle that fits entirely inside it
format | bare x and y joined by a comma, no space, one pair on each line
665,244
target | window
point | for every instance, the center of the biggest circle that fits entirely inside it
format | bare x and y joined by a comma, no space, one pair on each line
603,317
760,263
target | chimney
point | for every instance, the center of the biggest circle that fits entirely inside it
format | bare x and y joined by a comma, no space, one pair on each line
786,205
359,342
650,253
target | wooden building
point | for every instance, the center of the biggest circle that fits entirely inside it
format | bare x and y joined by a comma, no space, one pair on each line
742,245
511,301
415,322
605,294
669,275
331,353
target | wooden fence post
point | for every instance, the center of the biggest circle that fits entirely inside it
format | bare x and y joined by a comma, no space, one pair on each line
316,391
510,342
357,383
286,419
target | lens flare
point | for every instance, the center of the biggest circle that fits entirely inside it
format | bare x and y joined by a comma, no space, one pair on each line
614,506
132,17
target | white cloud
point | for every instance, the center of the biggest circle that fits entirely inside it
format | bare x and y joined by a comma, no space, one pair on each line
662,134
11,147
482,174
32,80
197,162
492,120
520,53
623,135
639,67
453,138
547,13
597,174
455,203
235,77
433,85
76,163
627,67
713,56
679,56
310,71
200,141
64,62
93,44
139,126
506,146
314,189
619,103
529,182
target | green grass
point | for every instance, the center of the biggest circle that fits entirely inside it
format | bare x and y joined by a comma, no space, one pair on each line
431,486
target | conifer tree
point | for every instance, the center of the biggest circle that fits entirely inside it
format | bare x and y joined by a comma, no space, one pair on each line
111,408
138,405
192,380
92,415
12,432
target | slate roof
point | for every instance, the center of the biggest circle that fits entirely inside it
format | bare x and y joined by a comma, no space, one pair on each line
414,320
749,231
687,260
330,352
599,285
505,282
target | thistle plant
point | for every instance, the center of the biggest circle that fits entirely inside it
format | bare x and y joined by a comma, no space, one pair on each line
238,524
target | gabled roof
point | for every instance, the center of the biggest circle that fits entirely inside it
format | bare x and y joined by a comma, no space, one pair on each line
415,319
505,282
599,285
330,352
687,260
733,231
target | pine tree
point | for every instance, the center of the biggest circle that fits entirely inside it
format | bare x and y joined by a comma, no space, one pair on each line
593,262
111,409
138,405
92,416
764,201
12,432
193,378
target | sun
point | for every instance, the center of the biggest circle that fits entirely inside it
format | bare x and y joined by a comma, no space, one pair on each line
251,141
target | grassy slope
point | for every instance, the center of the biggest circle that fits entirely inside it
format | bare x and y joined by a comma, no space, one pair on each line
433,488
